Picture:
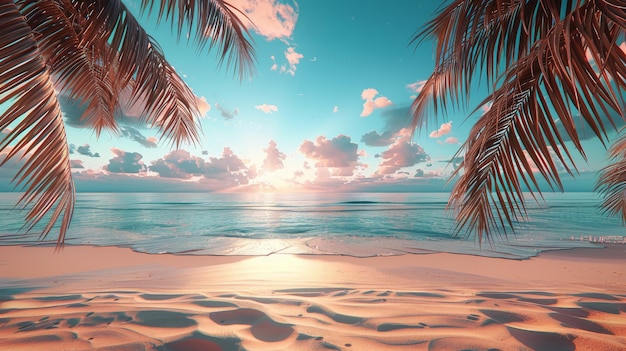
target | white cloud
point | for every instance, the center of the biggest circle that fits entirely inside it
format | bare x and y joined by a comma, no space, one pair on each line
444,129
267,108
335,109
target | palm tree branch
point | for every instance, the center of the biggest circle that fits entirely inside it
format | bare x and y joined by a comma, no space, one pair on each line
612,181
35,127
551,78
217,23
74,67
139,65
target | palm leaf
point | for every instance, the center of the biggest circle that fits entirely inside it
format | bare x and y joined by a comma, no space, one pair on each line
92,51
36,123
477,36
612,181
215,23
77,71
552,79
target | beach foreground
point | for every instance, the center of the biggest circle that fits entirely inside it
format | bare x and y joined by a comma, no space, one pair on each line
116,299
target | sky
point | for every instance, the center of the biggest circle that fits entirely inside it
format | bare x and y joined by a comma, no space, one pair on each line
326,110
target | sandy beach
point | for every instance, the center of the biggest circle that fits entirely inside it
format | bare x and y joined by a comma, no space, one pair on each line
109,298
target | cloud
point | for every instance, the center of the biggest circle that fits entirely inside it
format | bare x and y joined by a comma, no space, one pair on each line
339,153
215,173
293,59
372,102
274,159
269,18
455,161
178,164
402,153
125,162
396,119
452,140
203,105
416,87
135,135
444,129
374,139
267,108
226,113
584,130
76,164
72,148
229,169
335,109
85,150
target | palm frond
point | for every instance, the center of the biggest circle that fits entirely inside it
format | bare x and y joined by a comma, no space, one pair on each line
136,61
170,104
553,80
480,36
75,68
612,181
216,23
36,123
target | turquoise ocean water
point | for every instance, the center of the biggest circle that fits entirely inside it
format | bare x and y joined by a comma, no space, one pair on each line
358,224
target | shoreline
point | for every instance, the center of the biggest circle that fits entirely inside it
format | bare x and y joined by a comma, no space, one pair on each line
89,297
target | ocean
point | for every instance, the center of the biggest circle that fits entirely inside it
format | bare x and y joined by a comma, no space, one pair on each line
356,224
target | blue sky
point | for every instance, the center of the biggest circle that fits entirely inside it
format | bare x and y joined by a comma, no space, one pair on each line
325,111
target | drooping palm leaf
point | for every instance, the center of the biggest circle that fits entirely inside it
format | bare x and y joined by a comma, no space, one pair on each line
93,52
74,64
612,181
35,121
216,23
536,55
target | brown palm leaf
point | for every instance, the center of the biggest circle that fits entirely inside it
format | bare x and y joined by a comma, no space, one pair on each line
77,71
535,54
612,181
92,52
37,125
216,23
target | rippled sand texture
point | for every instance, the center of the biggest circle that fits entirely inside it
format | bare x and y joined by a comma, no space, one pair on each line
314,303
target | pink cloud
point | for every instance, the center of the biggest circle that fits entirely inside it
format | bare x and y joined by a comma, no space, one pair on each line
203,105
372,102
76,164
269,18
402,153
293,58
267,108
417,86
274,159
369,94
178,164
125,162
451,140
228,169
444,129
339,153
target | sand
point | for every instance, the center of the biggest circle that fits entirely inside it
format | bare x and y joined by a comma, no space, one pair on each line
114,299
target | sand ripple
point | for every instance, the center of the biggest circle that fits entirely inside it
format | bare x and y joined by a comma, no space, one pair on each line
307,319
